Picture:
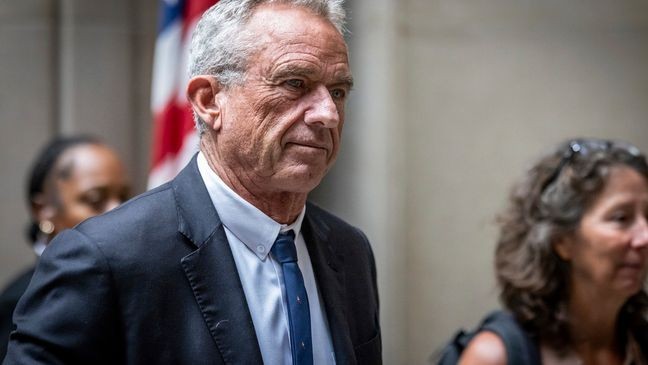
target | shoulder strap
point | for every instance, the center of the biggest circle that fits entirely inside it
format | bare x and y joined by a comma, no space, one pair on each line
451,352
520,349
641,336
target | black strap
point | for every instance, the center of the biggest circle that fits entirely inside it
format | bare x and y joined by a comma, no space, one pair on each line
641,336
520,349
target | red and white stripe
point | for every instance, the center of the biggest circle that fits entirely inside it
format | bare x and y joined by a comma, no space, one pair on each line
175,139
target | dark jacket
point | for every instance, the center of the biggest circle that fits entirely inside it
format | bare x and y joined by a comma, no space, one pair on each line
154,282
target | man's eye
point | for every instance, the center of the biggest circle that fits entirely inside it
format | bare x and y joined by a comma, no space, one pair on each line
338,93
296,83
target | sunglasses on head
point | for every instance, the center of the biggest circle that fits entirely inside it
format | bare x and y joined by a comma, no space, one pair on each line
586,147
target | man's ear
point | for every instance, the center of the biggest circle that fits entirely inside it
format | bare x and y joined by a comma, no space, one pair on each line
563,248
202,92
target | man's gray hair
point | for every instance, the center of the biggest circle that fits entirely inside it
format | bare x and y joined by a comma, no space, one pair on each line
221,48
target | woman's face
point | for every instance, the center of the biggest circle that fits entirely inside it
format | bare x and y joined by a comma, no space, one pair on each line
608,253
87,180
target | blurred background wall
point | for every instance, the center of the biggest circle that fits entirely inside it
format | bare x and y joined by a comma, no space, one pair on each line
69,66
453,99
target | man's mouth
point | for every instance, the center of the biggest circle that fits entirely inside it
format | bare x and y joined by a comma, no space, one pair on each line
309,144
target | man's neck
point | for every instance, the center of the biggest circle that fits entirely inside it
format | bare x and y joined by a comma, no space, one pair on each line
282,207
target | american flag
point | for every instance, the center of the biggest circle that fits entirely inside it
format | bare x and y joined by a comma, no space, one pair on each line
175,139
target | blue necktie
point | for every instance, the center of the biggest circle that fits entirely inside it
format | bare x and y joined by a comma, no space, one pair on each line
301,342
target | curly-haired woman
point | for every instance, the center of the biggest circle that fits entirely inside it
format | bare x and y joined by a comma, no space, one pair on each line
572,258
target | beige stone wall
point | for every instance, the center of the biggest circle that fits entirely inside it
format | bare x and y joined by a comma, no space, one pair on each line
69,66
26,47
487,86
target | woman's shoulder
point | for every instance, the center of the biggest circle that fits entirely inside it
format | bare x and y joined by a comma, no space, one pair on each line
487,348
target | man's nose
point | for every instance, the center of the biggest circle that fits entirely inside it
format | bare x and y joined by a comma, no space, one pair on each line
322,109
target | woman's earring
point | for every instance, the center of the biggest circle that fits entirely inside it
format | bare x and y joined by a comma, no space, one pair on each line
46,226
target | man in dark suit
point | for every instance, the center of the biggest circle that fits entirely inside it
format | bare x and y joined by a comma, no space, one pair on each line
227,263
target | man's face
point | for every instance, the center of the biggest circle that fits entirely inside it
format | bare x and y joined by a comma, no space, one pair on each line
280,128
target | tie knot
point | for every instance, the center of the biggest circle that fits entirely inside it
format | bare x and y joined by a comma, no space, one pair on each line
284,249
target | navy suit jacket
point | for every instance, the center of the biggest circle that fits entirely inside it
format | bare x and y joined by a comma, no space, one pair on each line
154,282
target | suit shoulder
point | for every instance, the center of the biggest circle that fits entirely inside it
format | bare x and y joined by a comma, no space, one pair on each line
157,204
149,200
151,215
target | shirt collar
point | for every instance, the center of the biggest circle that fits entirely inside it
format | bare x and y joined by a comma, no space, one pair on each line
250,225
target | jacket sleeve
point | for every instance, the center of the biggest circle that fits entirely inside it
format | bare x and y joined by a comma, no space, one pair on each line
68,313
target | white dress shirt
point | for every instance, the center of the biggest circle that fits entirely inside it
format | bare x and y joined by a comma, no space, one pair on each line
251,234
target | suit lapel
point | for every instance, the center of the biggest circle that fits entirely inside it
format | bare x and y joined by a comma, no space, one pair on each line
327,266
212,273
